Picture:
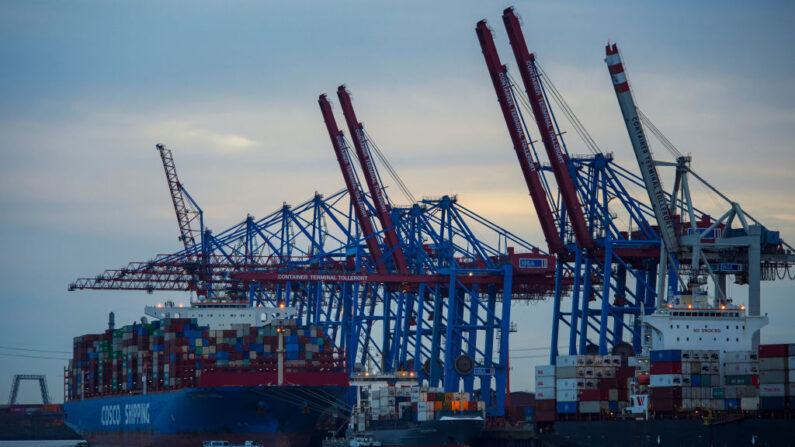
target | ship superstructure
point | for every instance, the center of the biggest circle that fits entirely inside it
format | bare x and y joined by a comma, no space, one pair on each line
724,328
222,315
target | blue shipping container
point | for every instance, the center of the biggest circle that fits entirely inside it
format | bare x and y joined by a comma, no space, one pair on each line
695,380
772,403
528,414
732,404
666,355
567,407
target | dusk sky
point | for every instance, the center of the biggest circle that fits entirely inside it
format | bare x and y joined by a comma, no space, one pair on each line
89,87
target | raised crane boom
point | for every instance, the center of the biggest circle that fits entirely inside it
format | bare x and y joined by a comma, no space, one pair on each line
639,144
357,198
371,178
185,215
557,157
502,87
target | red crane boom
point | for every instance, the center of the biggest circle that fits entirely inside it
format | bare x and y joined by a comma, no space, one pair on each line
362,215
368,168
557,158
185,215
497,71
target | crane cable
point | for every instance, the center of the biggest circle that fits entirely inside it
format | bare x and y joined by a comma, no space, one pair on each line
401,184
567,110
657,133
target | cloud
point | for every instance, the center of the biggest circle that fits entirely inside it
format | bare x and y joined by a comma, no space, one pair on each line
188,133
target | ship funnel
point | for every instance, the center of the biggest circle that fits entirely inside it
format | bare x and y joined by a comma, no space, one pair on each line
111,321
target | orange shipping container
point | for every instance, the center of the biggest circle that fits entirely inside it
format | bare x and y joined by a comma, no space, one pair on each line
437,406
456,405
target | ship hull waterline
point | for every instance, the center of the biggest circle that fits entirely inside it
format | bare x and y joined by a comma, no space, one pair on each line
275,416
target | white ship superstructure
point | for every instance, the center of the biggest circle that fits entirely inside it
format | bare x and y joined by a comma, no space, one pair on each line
222,315
727,328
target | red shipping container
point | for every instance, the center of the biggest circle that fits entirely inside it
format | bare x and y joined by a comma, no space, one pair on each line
773,351
544,415
611,382
664,404
755,381
666,368
545,405
623,394
590,395
625,372
666,392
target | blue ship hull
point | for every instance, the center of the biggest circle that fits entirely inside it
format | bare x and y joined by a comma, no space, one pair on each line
277,416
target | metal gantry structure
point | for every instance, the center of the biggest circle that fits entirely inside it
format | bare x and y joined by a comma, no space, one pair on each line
428,287
620,272
425,288
42,380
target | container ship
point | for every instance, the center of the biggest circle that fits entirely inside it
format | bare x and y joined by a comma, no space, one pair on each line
698,381
208,371
394,412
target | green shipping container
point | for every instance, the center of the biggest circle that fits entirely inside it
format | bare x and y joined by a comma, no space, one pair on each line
739,380
718,393
705,380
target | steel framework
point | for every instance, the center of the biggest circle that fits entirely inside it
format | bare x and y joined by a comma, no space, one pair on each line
615,280
454,305
45,394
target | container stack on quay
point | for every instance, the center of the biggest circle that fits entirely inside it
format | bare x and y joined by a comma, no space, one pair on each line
741,380
688,380
521,407
173,353
679,382
412,404
582,384
777,377
685,380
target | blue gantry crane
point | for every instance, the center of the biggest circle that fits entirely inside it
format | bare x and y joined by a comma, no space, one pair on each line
427,288
619,272
433,298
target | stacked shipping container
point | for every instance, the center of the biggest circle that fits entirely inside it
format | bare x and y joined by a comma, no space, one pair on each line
777,377
173,353
412,404
685,380
741,380
679,381
582,384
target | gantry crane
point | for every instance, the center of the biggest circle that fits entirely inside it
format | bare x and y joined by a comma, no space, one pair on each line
186,215
352,184
558,159
499,78
698,248
371,178
646,163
